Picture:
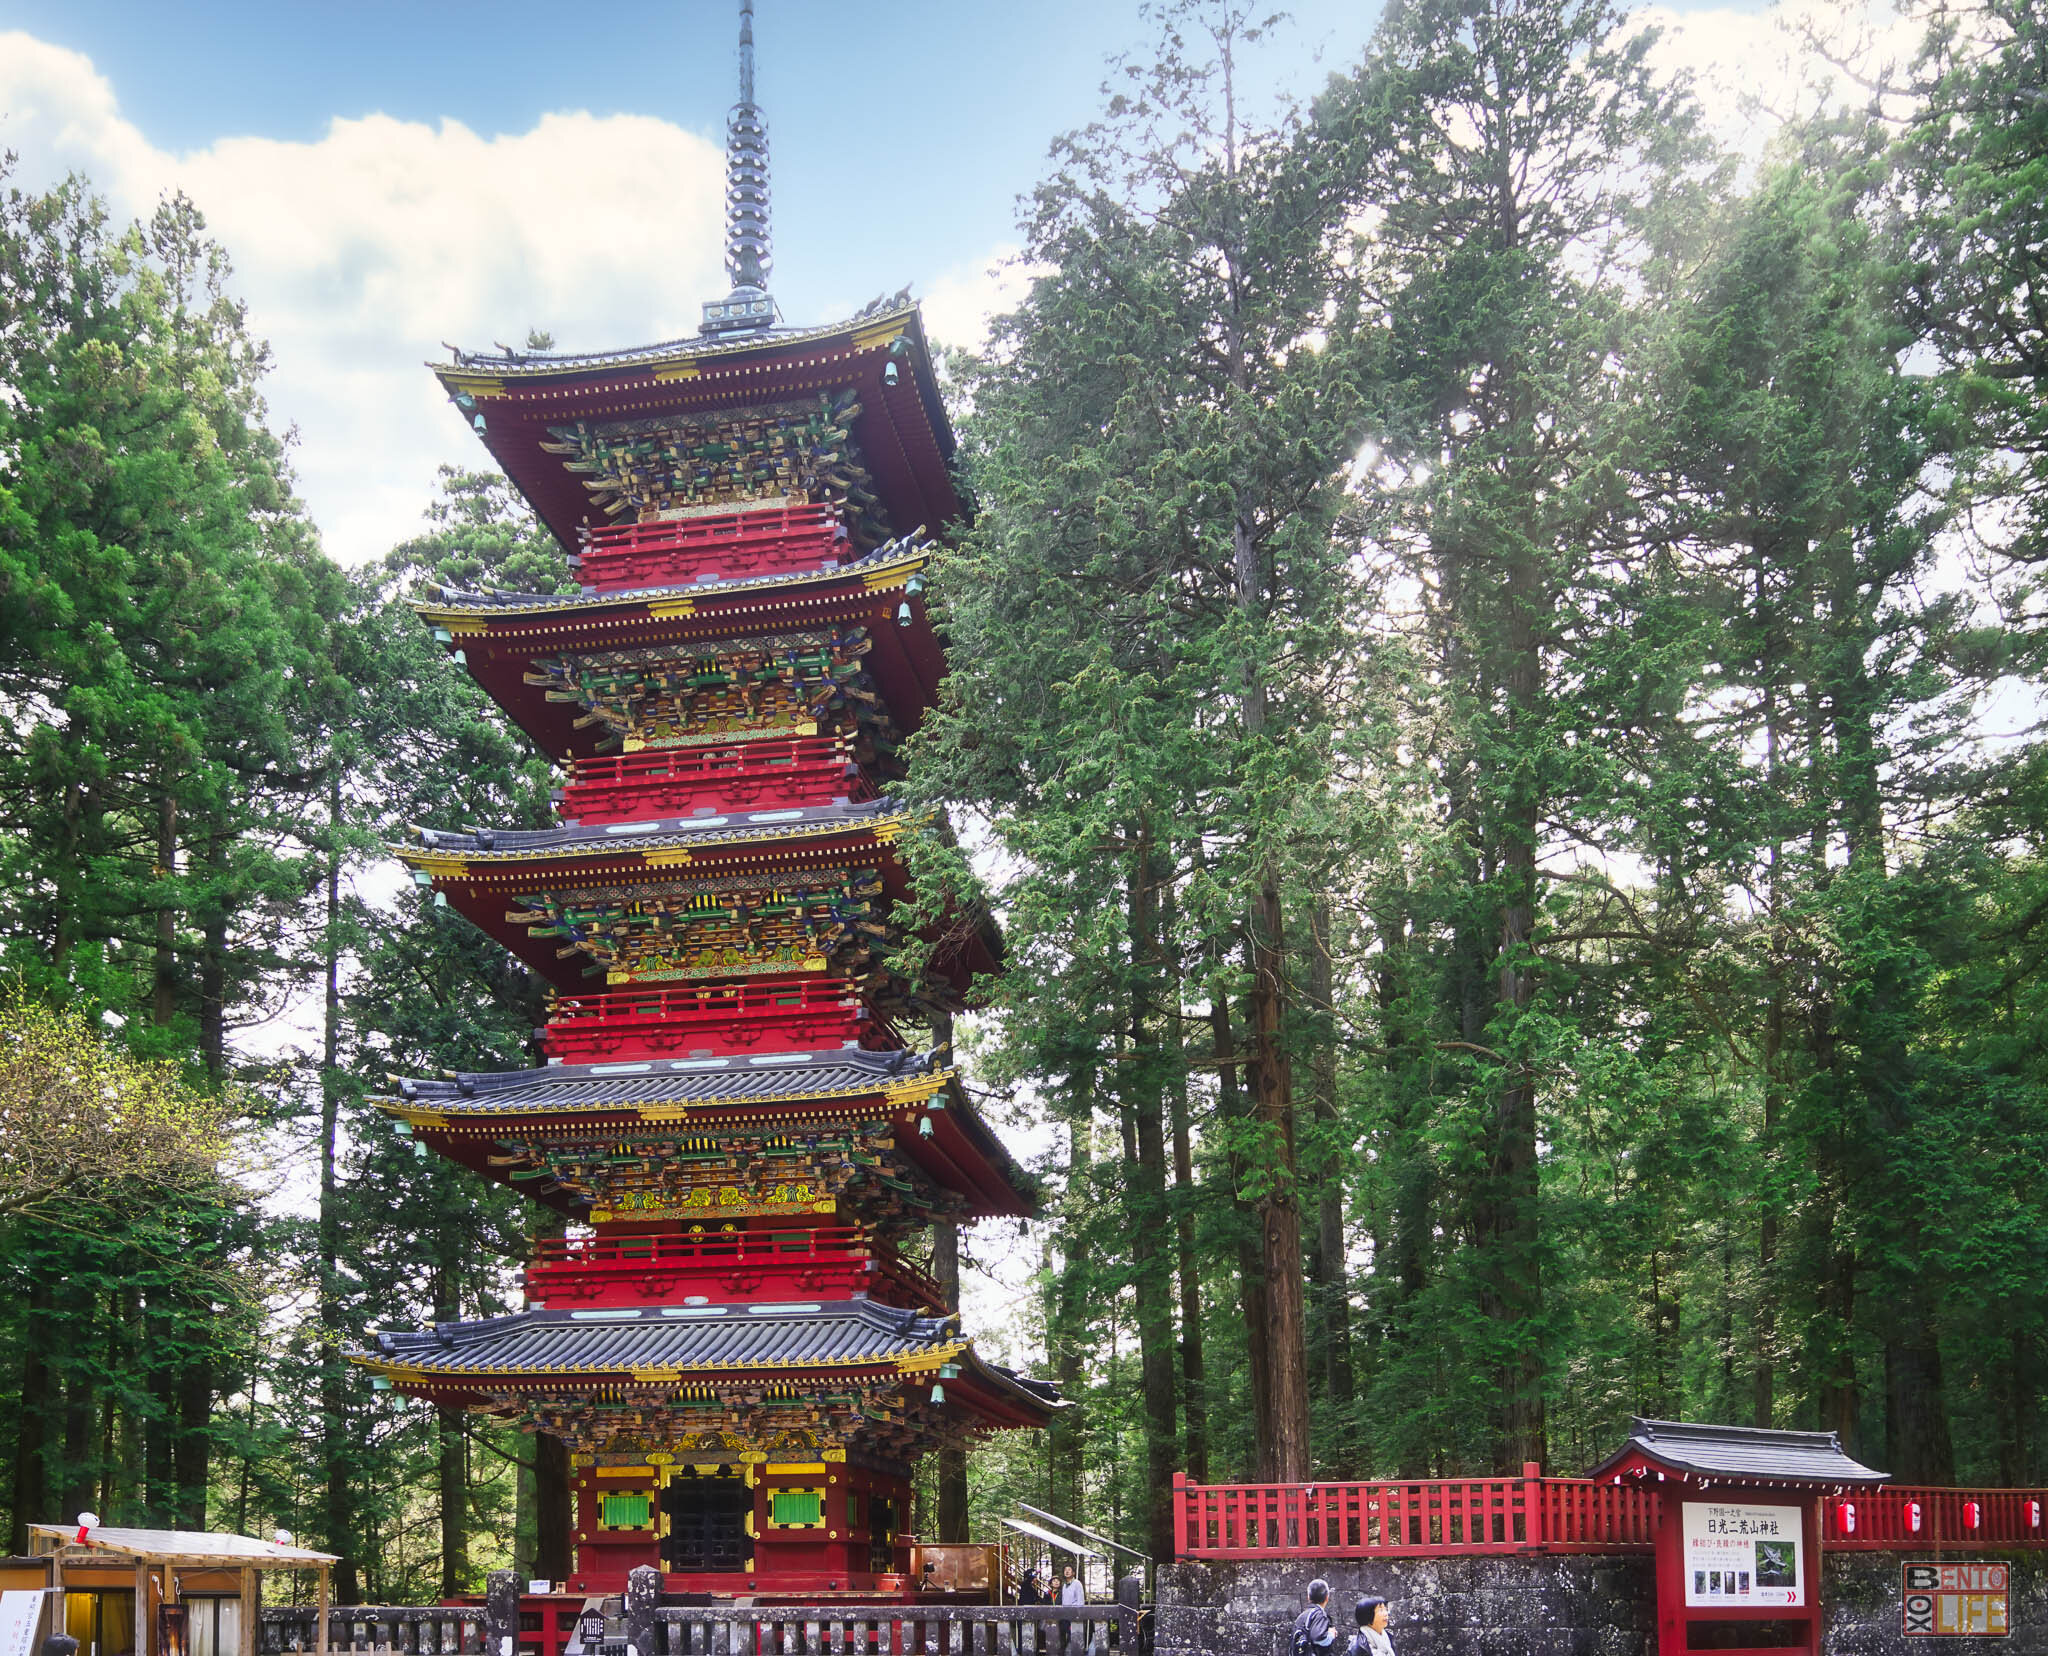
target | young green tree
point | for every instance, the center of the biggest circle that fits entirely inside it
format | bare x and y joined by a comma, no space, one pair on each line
1510,143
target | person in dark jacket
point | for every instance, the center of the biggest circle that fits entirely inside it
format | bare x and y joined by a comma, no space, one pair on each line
1371,1638
1028,1592
1313,1634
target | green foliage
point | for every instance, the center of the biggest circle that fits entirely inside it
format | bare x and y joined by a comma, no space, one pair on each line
1469,700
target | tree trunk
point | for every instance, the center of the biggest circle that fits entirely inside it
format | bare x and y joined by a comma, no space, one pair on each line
32,1422
337,1510
1279,1210
451,1450
1194,1399
1194,1396
952,1476
1511,1293
1764,1377
161,1336
1333,1287
192,1452
1065,1335
213,966
1145,1080
453,1468
164,1000
1251,1259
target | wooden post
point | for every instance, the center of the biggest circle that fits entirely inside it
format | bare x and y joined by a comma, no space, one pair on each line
57,1615
1534,1536
320,1610
142,1607
252,1607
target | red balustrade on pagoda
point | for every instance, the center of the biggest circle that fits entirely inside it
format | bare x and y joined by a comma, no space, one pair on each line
725,546
725,1266
744,776
795,1014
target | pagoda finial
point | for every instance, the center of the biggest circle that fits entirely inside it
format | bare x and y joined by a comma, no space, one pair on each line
747,252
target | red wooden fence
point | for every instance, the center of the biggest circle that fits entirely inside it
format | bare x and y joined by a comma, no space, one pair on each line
1900,1517
1413,1517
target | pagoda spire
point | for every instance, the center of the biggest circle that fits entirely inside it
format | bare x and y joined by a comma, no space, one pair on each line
748,255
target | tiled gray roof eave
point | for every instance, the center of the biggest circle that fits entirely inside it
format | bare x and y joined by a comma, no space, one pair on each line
659,832
849,1333
1758,1454
664,1081
540,365
447,597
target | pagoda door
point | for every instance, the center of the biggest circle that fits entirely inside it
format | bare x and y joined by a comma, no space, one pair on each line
704,1520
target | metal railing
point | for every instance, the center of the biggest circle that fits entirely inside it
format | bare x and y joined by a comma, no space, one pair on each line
761,1630
404,1630
901,1630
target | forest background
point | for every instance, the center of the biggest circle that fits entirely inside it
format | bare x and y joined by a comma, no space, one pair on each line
1494,691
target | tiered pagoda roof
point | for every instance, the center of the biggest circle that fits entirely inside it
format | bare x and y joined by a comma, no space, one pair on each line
852,1372
526,406
730,1336
905,1116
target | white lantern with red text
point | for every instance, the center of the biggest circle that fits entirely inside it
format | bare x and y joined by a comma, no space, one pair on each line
1913,1516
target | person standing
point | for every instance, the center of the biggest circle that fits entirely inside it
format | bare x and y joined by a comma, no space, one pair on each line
1071,1593
1028,1592
1371,1638
1313,1634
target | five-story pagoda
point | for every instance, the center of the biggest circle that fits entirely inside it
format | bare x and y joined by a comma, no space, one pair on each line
743,1367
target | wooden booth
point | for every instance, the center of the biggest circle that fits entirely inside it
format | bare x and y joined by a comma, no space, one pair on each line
148,1592
1738,1539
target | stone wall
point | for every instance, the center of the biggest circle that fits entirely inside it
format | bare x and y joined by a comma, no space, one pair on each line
1866,1613
1539,1604
1514,1604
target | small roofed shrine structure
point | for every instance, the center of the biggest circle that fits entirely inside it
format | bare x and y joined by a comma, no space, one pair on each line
1738,1539
173,1591
729,1338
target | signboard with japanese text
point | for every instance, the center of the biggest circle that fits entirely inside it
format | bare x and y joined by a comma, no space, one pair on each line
21,1613
1742,1557
1958,1601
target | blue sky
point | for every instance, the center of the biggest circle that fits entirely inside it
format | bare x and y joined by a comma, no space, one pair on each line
390,176
903,133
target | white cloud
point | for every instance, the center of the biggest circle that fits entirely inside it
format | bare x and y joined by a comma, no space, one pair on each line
964,299
1755,70
360,253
